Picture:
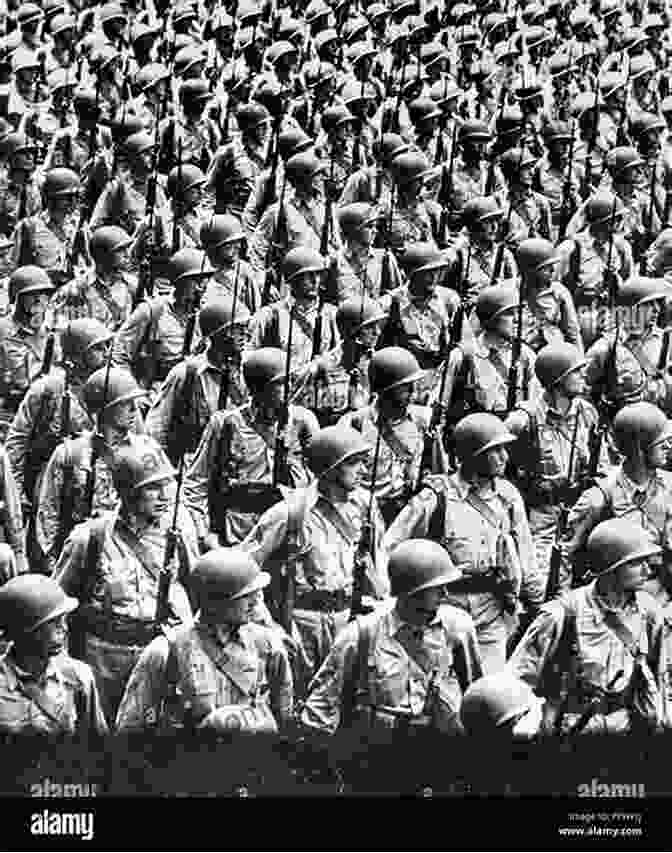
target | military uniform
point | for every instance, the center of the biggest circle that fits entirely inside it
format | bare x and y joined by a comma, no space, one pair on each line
224,279
41,241
21,357
104,297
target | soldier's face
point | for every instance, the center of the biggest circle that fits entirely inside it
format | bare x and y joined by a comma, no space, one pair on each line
240,611
368,335
25,78
192,197
121,416
24,161
226,255
351,473
96,355
64,204
574,384
496,461
488,229
632,576
271,397
259,134
119,260
35,307
306,285
401,395
505,324
48,640
423,284
659,454
153,501
423,605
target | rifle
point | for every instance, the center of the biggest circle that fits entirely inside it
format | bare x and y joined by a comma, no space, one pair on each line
445,195
593,706
277,246
664,351
393,122
499,255
592,141
565,212
553,583
490,178
95,445
67,496
280,469
177,201
647,238
38,454
516,352
163,609
93,132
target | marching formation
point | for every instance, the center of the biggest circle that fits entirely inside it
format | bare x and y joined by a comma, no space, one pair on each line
335,367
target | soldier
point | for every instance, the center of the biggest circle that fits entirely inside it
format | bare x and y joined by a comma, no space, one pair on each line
604,640
230,673
432,643
196,133
558,177
206,383
530,211
152,340
393,373
19,196
77,481
480,518
71,146
314,534
470,171
114,562
335,147
411,217
503,707
234,471
223,239
104,293
23,337
44,690
373,184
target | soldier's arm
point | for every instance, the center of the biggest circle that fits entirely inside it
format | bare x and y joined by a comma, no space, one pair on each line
467,656
72,560
280,682
20,433
93,719
538,644
413,521
160,416
130,335
140,707
531,583
47,521
583,517
197,479
260,240
570,321
268,535
12,515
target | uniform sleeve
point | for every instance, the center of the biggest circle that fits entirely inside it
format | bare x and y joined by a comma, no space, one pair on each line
570,321
21,431
140,707
268,535
160,415
281,684
468,664
197,480
538,645
413,521
94,721
12,513
71,563
47,521
130,335
583,517
531,582
261,239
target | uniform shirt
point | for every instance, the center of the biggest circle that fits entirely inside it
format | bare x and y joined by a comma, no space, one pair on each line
66,699
243,451
415,222
474,264
551,184
360,271
216,667
106,298
326,542
21,355
583,261
491,363
10,202
11,516
41,241
549,317
368,185
122,203
399,667
530,215
468,182
223,281
341,386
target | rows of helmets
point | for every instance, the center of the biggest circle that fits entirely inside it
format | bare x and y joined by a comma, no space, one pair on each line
459,213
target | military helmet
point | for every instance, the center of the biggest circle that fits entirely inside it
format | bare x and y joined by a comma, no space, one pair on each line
301,260
292,141
509,121
621,158
535,253
423,109
106,240
476,434
318,74
228,573
111,12
138,143
513,161
28,13
391,146
493,301
80,335
480,209
409,167
333,445
600,208
188,263
24,60
150,75
474,130
352,217
302,166
31,600
420,564
557,131
493,701
640,66
29,279
355,313
556,361
336,116
102,390
263,366
218,315
644,123
183,178
141,464
186,58
279,50
61,182
391,367
444,91
84,103
640,425
251,115
59,80
221,229
420,257
315,10
15,143
617,542
640,289
195,89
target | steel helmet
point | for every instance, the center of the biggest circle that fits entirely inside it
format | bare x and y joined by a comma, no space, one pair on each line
218,315
493,301
84,103
188,263
293,141
31,600
391,367
138,143
556,361
355,313
333,445
513,161
391,146
139,465
644,123
106,240
228,573
535,253
280,49
251,115
617,542
149,76
183,178
640,66
29,279
476,434
557,131
100,391
61,182
303,165
640,425
263,366
622,158
23,60
195,90
510,121
493,701
336,116
423,109
221,229
640,289
82,334
612,82
111,12
409,167
419,564
188,57
352,217
420,257
480,209
474,130
318,74
444,91
28,13
301,260
600,208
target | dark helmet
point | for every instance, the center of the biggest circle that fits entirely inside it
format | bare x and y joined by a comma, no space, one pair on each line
293,141
600,208
29,601
493,701
391,146
423,109
333,445
106,240
299,261
352,217
82,334
318,74
476,434
617,542
263,366
150,75
509,121
302,166
391,367
355,313
410,167
16,143
29,279
513,161
61,182
251,115
640,289
493,301
480,209
138,143
221,229
139,465
227,573
188,263
474,130
640,425
419,564
535,253
111,12
336,116
621,159
183,178
218,315
195,90
643,123
420,257
557,131
102,391
186,58
556,361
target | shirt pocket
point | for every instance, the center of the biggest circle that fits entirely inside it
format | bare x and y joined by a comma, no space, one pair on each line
14,712
389,680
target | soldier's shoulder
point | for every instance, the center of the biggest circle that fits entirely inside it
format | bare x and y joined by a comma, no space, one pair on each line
507,491
75,672
648,603
455,619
